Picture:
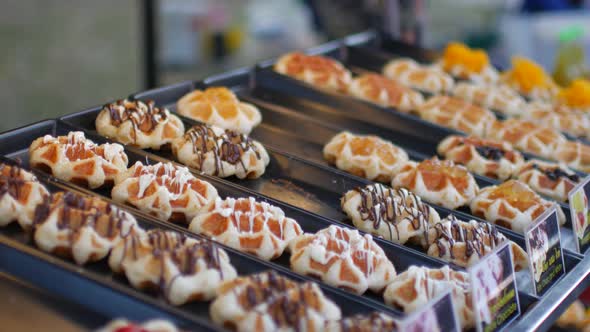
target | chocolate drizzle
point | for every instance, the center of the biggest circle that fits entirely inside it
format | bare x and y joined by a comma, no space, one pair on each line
264,286
375,321
12,183
382,205
143,116
228,147
490,152
554,174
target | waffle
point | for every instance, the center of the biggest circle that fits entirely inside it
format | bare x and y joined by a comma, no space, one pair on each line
511,204
527,136
464,243
220,107
394,214
81,227
559,118
468,64
183,269
409,73
385,92
457,114
550,179
373,322
530,80
215,151
343,258
154,325
366,156
254,227
574,154
77,159
164,190
319,71
495,159
414,288
438,181
20,193
138,124
304,308
496,97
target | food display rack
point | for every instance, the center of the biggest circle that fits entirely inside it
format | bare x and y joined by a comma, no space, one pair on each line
297,121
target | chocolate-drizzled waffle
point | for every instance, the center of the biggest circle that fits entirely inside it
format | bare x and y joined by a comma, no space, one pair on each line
20,193
82,227
165,191
249,226
183,269
394,214
343,258
373,322
237,297
220,152
554,180
76,158
416,286
464,243
138,124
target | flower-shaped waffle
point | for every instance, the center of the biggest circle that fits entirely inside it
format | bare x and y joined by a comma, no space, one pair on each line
366,156
76,158
372,322
319,71
495,159
496,97
394,214
220,152
20,193
455,113
154,325
438,181
416,286
464,243
249,226
574,154
343,258
237,297
219,106
559,118
527,136
550,179
82,227
164,190
409,73
138,124
183,269
530,80
385,92
511,204
468,64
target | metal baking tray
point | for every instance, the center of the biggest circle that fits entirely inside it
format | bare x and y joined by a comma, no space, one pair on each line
45,268
402,257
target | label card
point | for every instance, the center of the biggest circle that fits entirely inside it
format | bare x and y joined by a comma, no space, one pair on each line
437,315
493,290
578,200
543,244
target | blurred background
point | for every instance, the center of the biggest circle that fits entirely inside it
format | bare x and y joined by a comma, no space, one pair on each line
63,55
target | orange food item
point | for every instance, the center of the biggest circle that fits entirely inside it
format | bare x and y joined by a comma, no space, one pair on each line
458,54
577,95
528,75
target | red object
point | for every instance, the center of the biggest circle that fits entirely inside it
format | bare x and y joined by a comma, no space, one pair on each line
585,297
131,328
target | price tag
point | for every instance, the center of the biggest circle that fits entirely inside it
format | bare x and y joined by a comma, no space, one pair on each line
543,244
437,315
494,293
578,199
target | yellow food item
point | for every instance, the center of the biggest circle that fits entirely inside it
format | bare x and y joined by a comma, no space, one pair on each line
577,95
472,60
528,75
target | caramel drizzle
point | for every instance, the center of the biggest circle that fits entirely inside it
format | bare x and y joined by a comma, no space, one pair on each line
379,204
557,173
473,238
12,183
228,147
71,202
143,116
